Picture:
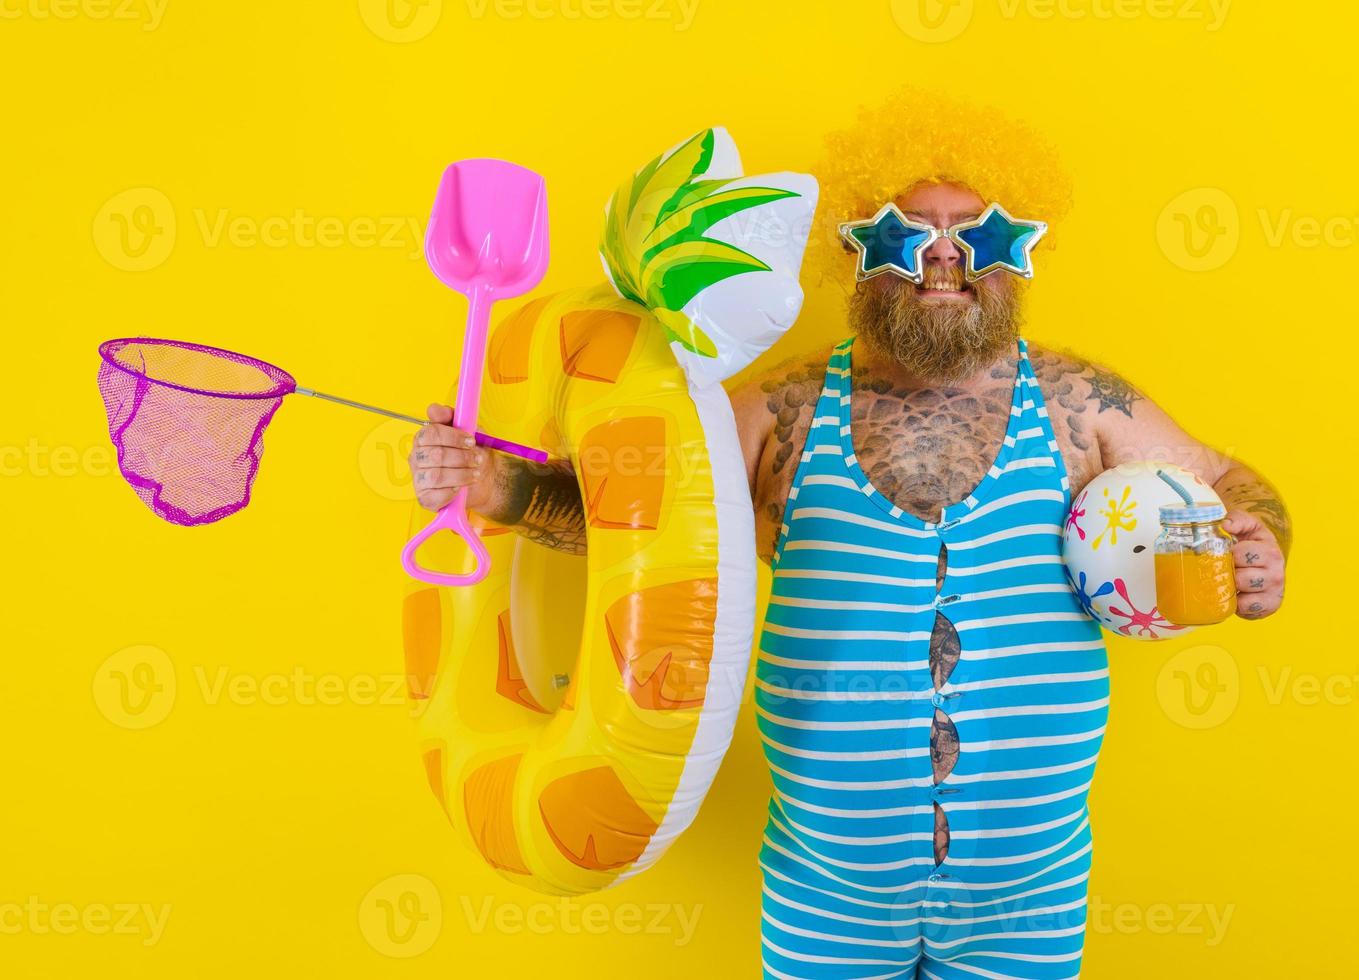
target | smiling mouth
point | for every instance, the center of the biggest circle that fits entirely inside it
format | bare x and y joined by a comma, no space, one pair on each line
928,292
942,283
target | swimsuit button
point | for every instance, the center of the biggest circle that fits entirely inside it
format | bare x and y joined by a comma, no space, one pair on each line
937,700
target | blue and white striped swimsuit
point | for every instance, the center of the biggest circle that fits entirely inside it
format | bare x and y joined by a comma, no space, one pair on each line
845,699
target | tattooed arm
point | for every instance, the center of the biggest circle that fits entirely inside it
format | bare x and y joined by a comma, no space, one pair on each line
773,415
1242,489
1124,425
1256,517
541,501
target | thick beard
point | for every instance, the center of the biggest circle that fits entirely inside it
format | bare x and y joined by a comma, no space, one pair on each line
939,342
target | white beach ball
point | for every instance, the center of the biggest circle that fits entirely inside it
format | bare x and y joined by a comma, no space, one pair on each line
1108,544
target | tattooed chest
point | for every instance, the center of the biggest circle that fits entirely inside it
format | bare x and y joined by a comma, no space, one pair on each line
930,448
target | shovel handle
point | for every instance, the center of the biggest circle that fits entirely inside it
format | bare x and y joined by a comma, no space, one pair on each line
453,517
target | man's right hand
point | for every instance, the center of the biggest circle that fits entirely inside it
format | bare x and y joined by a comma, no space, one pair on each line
445,459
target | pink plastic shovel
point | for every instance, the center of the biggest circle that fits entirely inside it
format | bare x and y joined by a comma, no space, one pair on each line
487,239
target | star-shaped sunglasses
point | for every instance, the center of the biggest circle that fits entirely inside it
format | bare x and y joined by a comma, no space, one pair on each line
891,242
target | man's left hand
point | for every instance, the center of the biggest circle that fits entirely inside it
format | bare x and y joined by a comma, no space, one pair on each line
1259,566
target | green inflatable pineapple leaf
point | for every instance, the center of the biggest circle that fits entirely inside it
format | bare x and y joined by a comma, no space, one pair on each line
654,240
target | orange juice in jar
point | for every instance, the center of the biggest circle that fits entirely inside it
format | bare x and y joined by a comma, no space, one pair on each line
1195,571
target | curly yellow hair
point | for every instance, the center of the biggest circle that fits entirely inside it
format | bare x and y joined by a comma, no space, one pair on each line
915,137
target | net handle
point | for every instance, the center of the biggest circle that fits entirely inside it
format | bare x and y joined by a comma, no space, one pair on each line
481,438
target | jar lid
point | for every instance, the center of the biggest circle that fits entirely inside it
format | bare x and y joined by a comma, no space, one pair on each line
1199,512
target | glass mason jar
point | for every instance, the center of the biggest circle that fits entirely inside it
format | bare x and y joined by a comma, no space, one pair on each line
1195,570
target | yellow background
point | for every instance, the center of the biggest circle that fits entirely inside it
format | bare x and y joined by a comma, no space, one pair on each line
280,823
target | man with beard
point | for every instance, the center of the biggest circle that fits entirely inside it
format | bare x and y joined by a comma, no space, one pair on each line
910,492
930,694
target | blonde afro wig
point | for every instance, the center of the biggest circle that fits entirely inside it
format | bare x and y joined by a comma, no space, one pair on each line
915,137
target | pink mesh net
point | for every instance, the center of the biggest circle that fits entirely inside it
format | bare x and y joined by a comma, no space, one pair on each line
188,423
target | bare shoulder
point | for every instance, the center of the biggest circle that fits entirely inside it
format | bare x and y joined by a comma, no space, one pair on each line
773,414
1078,384
795,382
783,396
1100,406
1082,398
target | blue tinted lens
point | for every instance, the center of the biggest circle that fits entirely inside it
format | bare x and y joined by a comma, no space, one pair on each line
890,242
997,241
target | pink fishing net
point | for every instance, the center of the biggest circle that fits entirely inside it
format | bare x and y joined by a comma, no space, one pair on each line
188,423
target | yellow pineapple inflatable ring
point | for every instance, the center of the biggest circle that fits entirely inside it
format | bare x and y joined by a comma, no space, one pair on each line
573,711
